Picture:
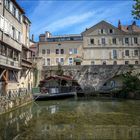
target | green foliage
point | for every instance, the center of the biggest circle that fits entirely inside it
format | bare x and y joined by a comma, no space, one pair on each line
60,71
131,83
136,9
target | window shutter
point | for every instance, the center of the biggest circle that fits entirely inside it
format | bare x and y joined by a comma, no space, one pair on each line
21,39
1,22
10,30
11,7
99,31
16,35
17,13
5,26
99,41
21,18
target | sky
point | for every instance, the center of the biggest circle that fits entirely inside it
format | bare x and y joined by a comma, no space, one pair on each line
62,17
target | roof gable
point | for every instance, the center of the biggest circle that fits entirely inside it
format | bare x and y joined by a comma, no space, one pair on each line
102,25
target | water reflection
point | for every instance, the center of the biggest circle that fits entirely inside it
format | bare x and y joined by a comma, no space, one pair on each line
73,119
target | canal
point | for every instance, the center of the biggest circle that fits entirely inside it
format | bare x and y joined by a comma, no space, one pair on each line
74,119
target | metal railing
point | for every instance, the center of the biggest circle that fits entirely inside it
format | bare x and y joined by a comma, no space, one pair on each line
57,89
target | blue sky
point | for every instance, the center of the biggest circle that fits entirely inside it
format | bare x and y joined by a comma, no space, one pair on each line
73,16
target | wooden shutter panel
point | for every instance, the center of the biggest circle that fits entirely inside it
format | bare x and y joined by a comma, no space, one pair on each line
1,22
17,13
11,7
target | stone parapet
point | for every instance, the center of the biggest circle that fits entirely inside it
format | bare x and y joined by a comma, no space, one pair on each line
14,99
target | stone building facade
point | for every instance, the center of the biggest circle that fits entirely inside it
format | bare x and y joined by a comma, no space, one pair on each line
105,44
66,50
102,44
13,41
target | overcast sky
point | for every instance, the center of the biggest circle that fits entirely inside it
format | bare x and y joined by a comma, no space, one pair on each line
73,16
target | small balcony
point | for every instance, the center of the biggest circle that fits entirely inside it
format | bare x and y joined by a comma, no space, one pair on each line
8,62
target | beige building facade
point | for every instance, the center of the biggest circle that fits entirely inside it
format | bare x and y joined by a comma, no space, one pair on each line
66,50
105,44
102,44
12,44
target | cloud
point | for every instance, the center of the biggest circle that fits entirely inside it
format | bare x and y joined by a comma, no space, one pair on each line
68,21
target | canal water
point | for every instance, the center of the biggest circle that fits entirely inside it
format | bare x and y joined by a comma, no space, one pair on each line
73,119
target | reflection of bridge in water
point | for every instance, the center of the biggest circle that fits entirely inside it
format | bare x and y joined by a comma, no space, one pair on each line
106,132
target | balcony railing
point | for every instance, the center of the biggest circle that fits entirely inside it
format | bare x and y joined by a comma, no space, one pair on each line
9,62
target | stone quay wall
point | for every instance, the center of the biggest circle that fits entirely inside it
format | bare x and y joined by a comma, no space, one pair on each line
14,99
93,77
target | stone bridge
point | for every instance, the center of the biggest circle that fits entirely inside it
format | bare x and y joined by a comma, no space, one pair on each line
92,77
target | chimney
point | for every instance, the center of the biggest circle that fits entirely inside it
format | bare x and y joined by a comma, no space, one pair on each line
119,25
32,37
134,23
47,34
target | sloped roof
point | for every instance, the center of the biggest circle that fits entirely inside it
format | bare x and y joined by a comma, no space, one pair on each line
89,30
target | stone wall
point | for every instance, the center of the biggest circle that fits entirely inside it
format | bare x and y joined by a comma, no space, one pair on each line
92,77
14,99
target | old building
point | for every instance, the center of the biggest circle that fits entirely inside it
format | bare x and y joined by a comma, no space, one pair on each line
106,44
27,55
66,49
12,43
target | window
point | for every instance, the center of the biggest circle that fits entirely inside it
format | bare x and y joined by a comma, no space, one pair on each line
57,51
92,62
43,51
91,41
70,51
135,40
62,51
126,62
15,56
10,53
114,54
48,62
48,51
62,61
136,52
115,63
19,36
75,51
57,60
7,4
3,50
13,32
136,62
126,52
114,41
127,40
70,61
14,11
104,63
102,31
11,75
110,31
103,41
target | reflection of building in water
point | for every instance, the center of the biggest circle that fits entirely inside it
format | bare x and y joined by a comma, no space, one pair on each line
50,109
105,132
16,121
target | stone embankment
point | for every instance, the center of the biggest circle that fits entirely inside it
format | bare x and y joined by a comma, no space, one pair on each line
14,99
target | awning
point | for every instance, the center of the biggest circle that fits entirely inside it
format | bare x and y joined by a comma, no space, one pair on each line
77,60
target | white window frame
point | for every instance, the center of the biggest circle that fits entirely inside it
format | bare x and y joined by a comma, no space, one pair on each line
70,62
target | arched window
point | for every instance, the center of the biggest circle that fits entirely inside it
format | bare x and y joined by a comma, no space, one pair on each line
104,63
115,62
